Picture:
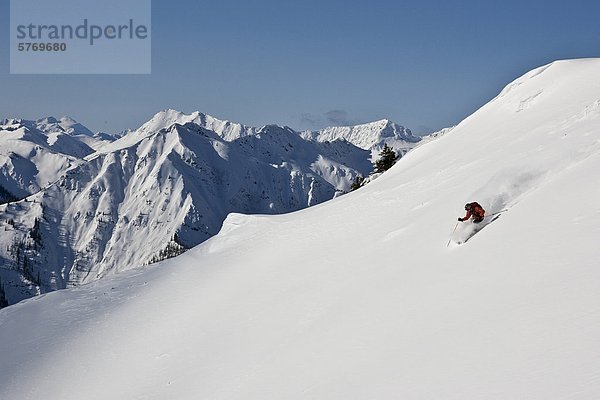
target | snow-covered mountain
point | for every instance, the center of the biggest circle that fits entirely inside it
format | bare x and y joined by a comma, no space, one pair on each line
360,297
371,136
34,154
225,129
53,127
63,125
155,193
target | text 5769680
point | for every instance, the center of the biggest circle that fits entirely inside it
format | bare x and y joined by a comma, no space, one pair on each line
34,46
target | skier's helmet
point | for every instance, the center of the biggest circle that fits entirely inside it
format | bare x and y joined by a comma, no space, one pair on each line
468,206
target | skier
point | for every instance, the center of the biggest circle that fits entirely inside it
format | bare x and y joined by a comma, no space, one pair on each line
475,210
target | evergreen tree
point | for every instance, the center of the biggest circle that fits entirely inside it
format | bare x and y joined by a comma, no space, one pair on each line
6,196
357,183
387,158
35,233
172,249
3,300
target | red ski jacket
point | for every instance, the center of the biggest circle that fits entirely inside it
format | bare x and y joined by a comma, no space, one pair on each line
476,211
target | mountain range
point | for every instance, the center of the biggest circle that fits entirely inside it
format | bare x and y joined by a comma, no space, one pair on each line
80,206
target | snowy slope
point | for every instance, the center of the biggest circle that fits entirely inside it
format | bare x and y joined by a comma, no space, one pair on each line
360,297
436,135
168,192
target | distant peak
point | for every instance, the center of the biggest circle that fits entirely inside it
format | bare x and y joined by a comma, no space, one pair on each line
12,121
53,120
383,121
171,114
167,113
65,124
67,119
271,127
367,135
48,120
377,124
226,129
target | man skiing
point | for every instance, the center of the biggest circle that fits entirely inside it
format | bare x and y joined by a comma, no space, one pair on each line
473,210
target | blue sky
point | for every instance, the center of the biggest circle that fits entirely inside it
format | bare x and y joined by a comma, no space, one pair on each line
307,64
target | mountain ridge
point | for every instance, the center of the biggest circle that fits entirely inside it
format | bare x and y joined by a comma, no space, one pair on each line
172,188
86,217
